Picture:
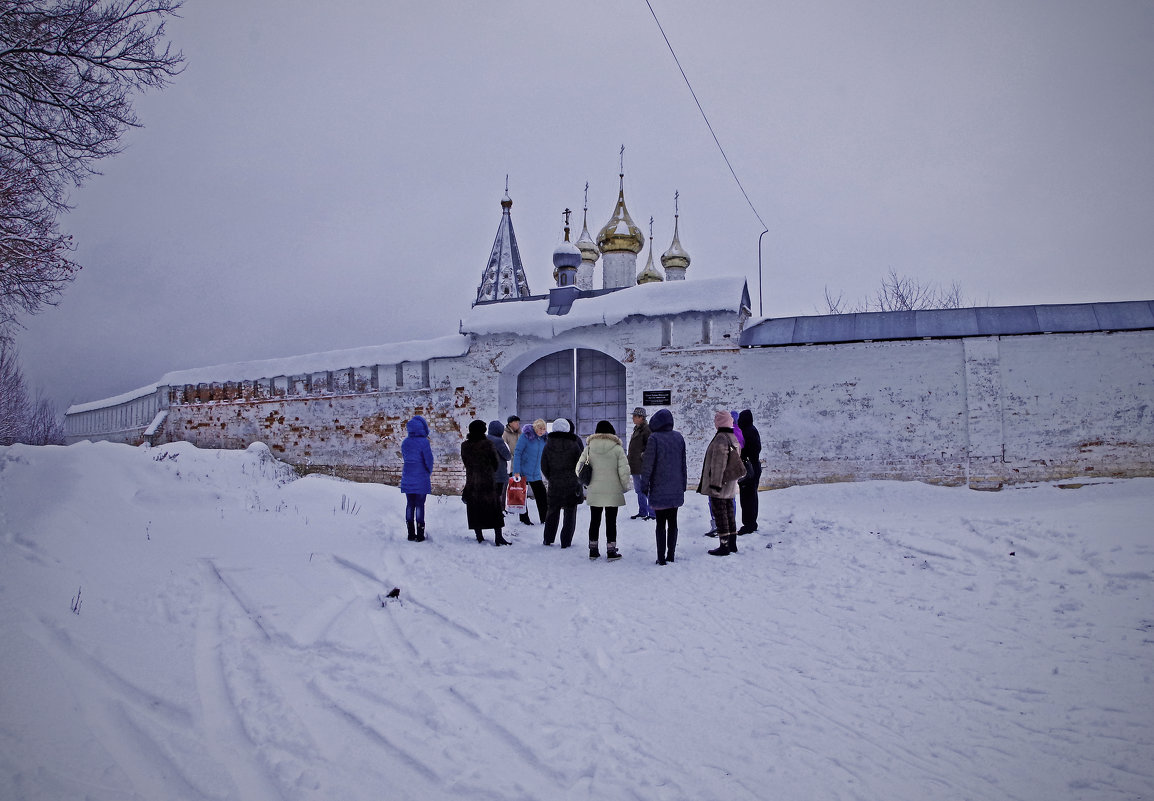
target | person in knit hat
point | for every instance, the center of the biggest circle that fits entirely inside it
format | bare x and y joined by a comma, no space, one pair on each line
719,475
559,460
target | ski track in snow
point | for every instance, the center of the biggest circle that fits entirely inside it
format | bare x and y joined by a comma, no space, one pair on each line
895,641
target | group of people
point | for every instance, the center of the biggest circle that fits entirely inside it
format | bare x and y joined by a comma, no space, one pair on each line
552,464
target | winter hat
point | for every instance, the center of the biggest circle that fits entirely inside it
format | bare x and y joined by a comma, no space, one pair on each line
639,411
477,428
560,424
605,427
513,417
722,419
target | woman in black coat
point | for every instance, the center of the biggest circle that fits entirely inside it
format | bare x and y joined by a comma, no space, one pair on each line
481,463
559,467
751,455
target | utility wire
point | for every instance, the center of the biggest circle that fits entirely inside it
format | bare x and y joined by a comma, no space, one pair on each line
705,117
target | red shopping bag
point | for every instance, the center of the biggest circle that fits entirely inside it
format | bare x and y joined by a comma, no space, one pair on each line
515,495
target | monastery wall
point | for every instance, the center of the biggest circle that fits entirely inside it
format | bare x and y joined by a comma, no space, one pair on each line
982,411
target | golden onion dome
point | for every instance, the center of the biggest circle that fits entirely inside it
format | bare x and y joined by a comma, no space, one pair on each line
620,234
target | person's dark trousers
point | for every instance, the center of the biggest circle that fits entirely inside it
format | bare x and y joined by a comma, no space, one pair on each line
747,491
568,524
610,527
539,491
666,534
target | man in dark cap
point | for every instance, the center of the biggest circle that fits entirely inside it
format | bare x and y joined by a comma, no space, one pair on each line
637,442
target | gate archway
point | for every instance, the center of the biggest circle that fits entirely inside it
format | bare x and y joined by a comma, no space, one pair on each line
580,384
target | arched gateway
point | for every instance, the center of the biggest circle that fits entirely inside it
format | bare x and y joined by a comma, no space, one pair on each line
579,384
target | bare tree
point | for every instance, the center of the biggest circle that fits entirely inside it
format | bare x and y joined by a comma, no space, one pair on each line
901,293
13,396
68,69
33,422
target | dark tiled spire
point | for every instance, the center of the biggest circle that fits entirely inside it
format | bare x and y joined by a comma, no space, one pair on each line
504,275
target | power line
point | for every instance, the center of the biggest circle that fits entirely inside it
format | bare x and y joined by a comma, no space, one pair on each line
704,116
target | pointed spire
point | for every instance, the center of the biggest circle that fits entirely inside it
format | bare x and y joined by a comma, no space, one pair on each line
649,275
504,274
676,259
588,248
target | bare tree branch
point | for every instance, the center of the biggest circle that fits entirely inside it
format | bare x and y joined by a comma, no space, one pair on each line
68,70
901,293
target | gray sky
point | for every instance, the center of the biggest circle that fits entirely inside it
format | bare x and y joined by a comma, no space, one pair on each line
328,175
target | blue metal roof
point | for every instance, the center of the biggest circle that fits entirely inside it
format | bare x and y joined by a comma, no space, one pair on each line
951,323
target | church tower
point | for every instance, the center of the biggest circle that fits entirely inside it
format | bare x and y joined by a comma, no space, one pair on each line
504,275
620,241
675,260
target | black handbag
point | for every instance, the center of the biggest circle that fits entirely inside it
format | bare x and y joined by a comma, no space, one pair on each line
586,474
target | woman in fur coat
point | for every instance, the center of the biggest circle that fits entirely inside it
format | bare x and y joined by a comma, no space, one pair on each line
719,475
606,491
480,460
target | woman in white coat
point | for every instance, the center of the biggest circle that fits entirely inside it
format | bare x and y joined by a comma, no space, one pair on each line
606,491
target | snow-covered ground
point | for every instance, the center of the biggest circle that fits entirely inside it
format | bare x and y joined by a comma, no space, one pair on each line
185,624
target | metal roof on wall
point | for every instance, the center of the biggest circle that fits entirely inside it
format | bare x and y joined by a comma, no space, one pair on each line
951,323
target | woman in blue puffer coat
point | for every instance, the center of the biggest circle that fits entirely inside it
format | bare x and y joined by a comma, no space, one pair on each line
416,476
527,463
663,478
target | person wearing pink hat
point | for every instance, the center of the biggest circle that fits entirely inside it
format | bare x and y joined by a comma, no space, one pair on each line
719,475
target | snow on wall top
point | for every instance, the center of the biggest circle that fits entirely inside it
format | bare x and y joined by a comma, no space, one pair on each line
528,317
392,353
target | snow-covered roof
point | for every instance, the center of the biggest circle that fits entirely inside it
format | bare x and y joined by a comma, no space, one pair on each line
393,353
124,397
669,298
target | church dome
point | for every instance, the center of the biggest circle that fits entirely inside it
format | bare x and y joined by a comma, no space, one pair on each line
585,243
566,254
676,257
649,275
620,234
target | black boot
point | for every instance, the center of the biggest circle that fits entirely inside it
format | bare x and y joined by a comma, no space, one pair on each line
670,546
480,536
524,518
500,540
412,531
612,554
420,532
722,548
660,547
731,543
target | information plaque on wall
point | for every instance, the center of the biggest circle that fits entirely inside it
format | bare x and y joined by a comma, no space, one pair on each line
659,397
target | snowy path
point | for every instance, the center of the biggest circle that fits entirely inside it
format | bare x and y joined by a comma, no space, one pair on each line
896,641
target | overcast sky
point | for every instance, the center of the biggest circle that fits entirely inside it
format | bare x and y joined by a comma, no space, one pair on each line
329,175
